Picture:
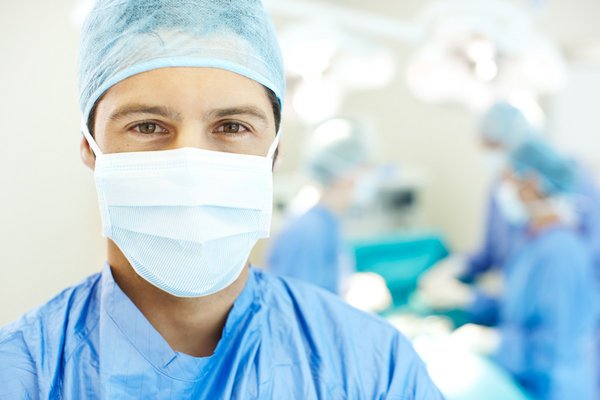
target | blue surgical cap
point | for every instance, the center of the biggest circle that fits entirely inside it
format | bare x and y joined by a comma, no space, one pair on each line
506,125
336,149
121,38
556,173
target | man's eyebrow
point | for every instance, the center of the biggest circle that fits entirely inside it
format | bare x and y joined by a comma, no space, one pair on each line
144,109
242,110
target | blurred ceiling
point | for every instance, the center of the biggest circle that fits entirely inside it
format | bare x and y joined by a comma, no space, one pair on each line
572,24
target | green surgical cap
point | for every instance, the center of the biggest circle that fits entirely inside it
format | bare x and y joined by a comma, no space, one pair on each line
505,124
121,38
336,149
555,172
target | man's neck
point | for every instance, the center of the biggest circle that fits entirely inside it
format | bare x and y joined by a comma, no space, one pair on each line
334,200
189,325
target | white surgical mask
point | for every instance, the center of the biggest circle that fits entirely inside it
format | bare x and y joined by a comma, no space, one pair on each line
365,189
511,205
495,161
186,219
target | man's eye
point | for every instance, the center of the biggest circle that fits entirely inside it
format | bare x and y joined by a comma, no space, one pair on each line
232,128
148,128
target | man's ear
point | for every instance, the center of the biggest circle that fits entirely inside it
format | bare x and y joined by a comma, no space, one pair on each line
87,155
276,158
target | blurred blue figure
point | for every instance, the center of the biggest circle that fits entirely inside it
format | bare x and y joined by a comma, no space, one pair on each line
503,128
549,309
309,247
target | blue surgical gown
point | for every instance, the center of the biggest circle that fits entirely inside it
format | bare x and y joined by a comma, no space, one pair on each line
281,340
587,201
547,316
309,248
501,237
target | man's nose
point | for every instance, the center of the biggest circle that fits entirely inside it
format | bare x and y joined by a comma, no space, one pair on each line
193,135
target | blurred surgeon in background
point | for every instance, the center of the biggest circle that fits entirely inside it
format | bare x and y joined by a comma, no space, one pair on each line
547,314
309,247
503,129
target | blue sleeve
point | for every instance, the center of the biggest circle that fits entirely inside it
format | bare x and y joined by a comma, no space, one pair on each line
484,258
550,350
588,209
568,329
411,381
484,310
18,374
294,252
306,252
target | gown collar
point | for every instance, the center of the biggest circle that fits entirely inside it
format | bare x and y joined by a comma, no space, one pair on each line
138,331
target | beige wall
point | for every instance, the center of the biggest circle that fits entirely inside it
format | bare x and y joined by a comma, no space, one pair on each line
49,228
50,231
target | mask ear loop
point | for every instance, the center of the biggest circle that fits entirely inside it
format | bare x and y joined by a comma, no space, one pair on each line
86,133
274,145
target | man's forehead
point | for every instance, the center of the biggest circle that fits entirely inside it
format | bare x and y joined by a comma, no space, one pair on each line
212,90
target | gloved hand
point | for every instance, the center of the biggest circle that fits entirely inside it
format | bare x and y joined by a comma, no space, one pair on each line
450,267
440,287
476,338
367,291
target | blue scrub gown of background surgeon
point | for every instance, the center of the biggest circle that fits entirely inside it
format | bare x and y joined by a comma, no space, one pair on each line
547,317
587,202
309,248
282,340
501,237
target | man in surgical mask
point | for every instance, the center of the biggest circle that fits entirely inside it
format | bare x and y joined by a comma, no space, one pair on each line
309,247
181,103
